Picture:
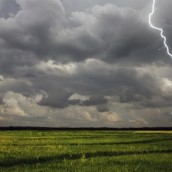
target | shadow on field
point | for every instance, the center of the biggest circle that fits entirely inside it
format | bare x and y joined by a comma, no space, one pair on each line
59,158
97,143
72,137
123,143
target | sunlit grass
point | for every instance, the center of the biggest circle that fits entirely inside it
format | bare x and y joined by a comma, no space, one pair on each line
82,151
154,132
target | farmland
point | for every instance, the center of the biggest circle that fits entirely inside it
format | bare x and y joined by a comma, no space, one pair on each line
82,151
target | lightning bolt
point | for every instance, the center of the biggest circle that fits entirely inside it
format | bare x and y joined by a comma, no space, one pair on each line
159,29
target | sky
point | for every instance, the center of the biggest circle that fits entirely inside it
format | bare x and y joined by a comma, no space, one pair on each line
85,63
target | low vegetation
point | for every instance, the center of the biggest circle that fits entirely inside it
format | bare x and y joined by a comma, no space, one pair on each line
86,151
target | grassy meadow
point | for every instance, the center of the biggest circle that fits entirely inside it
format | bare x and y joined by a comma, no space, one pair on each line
86,151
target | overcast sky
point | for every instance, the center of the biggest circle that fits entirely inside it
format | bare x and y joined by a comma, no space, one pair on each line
85,63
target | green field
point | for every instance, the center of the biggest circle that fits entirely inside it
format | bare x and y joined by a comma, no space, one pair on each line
86,151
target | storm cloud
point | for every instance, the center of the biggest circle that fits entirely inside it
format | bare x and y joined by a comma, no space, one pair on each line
84,63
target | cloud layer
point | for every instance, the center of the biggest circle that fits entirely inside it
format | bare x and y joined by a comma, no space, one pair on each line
94,64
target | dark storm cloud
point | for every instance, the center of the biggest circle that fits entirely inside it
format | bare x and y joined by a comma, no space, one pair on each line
162,18
102,108
95,100
97,80
12,61
15,85
107,32
112,34
56,98
162,15
8,8
92,101
30,28
81,5
102,53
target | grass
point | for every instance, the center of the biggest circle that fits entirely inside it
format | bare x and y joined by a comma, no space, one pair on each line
85,151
